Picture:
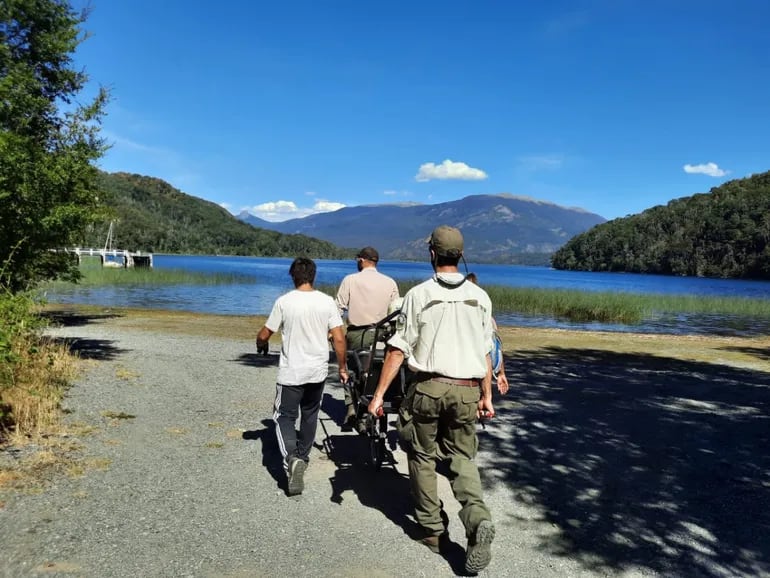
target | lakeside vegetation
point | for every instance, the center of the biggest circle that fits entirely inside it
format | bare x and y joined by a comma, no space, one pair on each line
34,372
626,308
605,307
94,275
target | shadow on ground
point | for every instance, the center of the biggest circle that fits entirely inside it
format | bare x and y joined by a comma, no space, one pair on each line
257,360
385,489
271,455
758,352
639,461
85,348
98,349
71,318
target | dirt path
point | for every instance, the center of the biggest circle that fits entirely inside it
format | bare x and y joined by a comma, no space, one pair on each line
612,456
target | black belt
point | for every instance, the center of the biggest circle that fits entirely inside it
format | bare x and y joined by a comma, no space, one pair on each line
473,382
357,327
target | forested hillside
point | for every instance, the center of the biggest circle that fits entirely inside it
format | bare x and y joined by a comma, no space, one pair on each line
153,216
723,233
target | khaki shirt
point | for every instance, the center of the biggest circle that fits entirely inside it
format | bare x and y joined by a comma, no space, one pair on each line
366,295
446,328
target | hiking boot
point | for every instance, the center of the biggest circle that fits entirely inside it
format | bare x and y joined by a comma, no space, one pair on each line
479,553
435,543
297,469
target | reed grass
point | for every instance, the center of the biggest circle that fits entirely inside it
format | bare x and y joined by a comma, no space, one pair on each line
607,307
613,307
93,274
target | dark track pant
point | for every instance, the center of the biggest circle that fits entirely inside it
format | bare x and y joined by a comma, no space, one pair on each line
292,401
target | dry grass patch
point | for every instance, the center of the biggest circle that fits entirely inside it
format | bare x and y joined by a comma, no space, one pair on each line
731,351
109,414
99,464
33,388
235,433
126,374
215,445
58,568
79,468
179,431
9,478
80,429
37,466
182,322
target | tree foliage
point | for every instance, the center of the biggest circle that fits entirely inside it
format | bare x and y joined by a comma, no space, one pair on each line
723,233
153,216
48,141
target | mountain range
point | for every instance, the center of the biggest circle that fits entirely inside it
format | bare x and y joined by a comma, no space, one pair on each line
501,228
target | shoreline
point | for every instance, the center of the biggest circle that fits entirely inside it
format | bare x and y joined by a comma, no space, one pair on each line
516,340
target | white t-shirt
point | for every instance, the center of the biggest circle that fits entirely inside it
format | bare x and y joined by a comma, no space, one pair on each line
304,319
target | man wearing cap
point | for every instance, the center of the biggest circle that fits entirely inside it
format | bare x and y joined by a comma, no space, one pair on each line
445,333
365,296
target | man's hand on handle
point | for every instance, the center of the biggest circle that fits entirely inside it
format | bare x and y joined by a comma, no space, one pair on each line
375,406
486,410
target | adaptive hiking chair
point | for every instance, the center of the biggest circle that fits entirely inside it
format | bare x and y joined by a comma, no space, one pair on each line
365,366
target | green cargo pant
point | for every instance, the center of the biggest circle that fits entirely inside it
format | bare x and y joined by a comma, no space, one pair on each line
437,422
357,339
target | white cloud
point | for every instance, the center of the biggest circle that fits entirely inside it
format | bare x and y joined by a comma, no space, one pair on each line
326,207
226,206
449,170
710,169
394,193
277,211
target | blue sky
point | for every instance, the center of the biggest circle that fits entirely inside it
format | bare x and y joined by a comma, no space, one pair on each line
290,108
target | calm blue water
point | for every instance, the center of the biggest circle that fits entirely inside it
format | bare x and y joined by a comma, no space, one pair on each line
268,278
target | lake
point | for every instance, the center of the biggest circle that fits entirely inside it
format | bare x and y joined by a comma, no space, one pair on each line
269,277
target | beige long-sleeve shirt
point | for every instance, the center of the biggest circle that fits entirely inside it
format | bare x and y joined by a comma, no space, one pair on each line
365,296
446,327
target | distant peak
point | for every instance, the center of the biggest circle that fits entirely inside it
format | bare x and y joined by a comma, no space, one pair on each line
396,204
536,201
522,198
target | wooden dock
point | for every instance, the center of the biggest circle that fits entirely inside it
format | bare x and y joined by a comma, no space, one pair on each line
115,257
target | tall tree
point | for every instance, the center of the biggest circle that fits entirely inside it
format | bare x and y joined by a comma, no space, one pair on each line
48,141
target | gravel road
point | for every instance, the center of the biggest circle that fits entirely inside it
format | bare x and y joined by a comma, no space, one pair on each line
584,474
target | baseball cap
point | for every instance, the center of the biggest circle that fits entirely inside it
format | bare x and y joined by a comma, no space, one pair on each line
368,253
446,241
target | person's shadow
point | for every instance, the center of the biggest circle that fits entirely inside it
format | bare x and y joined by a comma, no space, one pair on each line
386,489
272,460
